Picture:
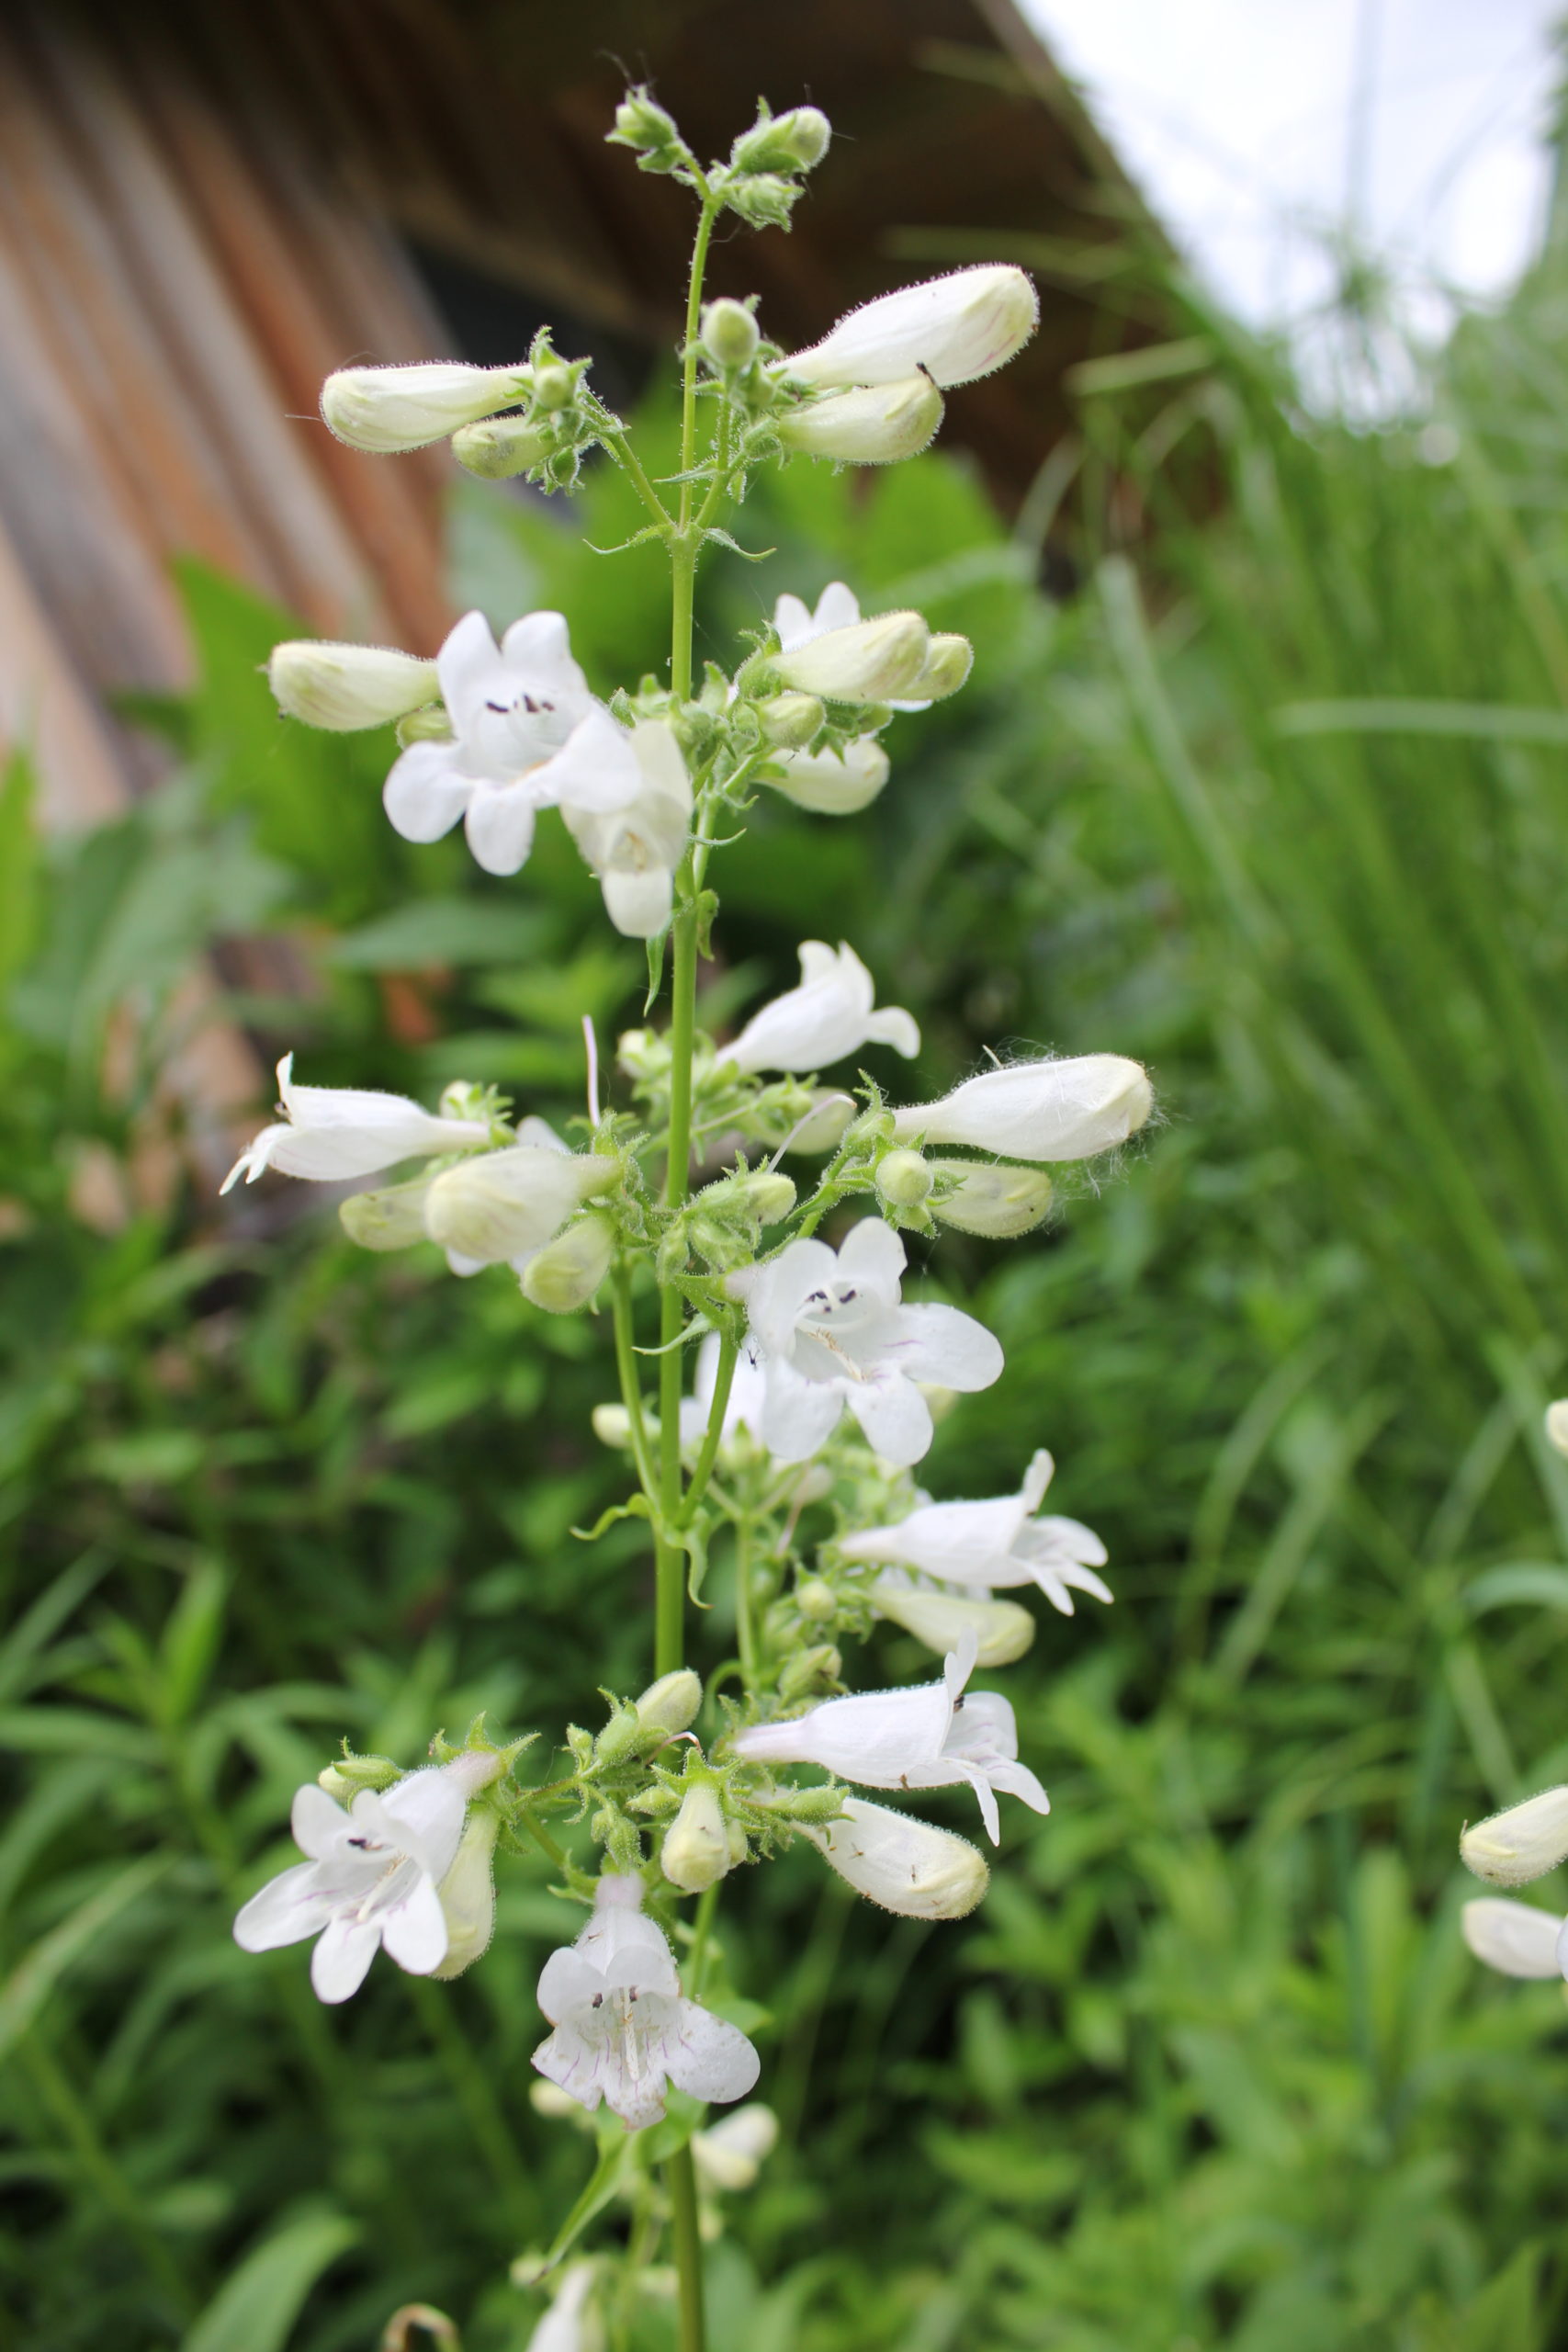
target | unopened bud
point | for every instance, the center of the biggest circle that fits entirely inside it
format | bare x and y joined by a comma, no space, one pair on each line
869,661
499,448
729,2153
1001,1628
809,1671
833,784
794,142
998,1202
789,721
763,199
430,725
613,1426
670,1704
948,665
954,329
644,126
1517,1938
904,1865
1557,1424
501,1205
1523,1842
823,1126
1043,1110
766,1196
873,425
391,1217
346,687
729,334
815,1598
553,386
344,1779
384,410
903,1180
468,1892
567,1272
696,1844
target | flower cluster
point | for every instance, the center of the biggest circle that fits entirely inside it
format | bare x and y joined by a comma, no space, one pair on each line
818,1383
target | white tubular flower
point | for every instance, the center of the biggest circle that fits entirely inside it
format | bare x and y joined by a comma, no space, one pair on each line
503,1206
564,1274
1557,1424
372,1876
744,1405
570,2325
872,425
344,687
838,608
635,850
931,1737
987,1546
904,1865
1516,1939
952,329
622,2028
827,1018
328,1133
1002,1630
468,1893
1065,1109
526,735
384,410
833,784
1525,1841
869,661
831,1331
731,2152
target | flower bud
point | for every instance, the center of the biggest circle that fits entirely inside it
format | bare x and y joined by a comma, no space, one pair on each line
567,1272
696,1844
1045,1110
729,334
1002,1629
499,448
1557,1424
833,784
730,2152
903,1180
390,1217
430,725
815,1598
794,142
869,661
809,1672
763,1197
502,1203
873,425
997,1201
344,1779
905,1865
642,124
384,410
823,1126
468,1892
1523,1842
954,329
789,720
1517,1938
948,665
343,687
763,199
670,1704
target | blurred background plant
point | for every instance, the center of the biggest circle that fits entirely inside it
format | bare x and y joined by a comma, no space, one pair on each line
1275,799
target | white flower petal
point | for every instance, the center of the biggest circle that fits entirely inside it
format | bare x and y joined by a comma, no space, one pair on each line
1517,1938
895,1416
426,791
282,1912
499,825
538,646
946,1347
414,1930
798,1415
342,1958
595,769
708,2058
473,671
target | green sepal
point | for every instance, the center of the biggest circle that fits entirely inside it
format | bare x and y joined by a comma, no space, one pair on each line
655,969
706,908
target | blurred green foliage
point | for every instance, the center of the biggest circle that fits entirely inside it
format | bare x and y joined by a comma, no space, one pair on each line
1276,802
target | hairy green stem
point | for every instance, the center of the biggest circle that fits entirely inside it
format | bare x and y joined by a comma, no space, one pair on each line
745,1633
681,2178
702,1471
670,1559
631,1383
